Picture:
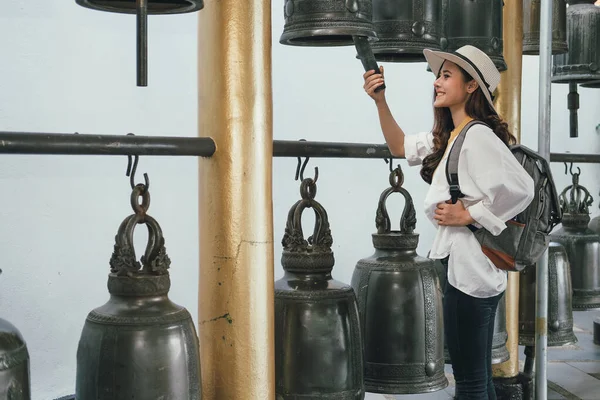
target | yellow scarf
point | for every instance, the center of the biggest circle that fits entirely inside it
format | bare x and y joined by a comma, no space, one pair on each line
455,133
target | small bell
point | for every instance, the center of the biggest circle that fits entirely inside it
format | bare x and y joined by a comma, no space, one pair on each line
560,306
581,244
139,345
326,22
400,303
318,346
14,363
560,293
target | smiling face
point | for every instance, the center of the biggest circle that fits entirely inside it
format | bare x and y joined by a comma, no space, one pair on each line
452,89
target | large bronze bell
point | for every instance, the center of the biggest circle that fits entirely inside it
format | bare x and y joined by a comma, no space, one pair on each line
560,293
531,27
318,345
582,245
139,345
400,303
405,28
326,22
500,353
14,363
477,23
582,63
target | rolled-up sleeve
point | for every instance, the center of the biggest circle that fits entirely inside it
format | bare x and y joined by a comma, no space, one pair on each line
506,187
417,147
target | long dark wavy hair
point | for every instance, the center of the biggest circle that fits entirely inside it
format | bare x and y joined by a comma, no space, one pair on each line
478,108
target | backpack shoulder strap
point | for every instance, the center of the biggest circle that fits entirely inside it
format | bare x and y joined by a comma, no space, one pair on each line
452,164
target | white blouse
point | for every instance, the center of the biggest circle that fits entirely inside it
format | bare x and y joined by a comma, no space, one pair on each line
496,189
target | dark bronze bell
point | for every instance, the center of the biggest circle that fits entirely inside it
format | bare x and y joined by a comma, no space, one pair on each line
400,303
560,292
318,346
582,63
326,22
500,353
405,28
154,6
139,345
531,27
581,244
477,23
14,363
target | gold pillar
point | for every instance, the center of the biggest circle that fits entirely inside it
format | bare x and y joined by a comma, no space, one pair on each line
235,311
508,104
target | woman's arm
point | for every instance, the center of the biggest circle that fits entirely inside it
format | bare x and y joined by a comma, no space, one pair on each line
393,134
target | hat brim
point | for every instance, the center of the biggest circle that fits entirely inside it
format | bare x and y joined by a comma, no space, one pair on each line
435,59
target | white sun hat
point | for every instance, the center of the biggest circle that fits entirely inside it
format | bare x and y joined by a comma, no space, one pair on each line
474,61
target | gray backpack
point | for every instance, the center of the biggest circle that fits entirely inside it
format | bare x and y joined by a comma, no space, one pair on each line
526,237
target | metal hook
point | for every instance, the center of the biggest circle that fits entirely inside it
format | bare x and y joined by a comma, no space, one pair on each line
131,171
571,169
390,163
302,166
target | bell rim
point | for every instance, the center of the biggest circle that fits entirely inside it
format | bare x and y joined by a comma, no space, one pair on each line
385,51
193,6
427,385
533,48
289,35
554,340
572,78
591,85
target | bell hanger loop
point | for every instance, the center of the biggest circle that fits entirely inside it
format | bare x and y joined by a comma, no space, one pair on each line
396,177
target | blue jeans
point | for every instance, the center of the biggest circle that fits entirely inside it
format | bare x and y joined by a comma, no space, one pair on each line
469,330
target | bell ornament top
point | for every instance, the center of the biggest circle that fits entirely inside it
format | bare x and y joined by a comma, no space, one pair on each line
312,255
154,6
128,276
575,201
386,238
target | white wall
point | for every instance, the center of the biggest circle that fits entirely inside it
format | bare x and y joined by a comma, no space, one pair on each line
65,69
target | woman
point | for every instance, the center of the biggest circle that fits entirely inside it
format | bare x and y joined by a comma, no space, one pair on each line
495,188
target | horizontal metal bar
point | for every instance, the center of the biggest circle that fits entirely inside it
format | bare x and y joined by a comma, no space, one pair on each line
84,144
576,158
292,148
